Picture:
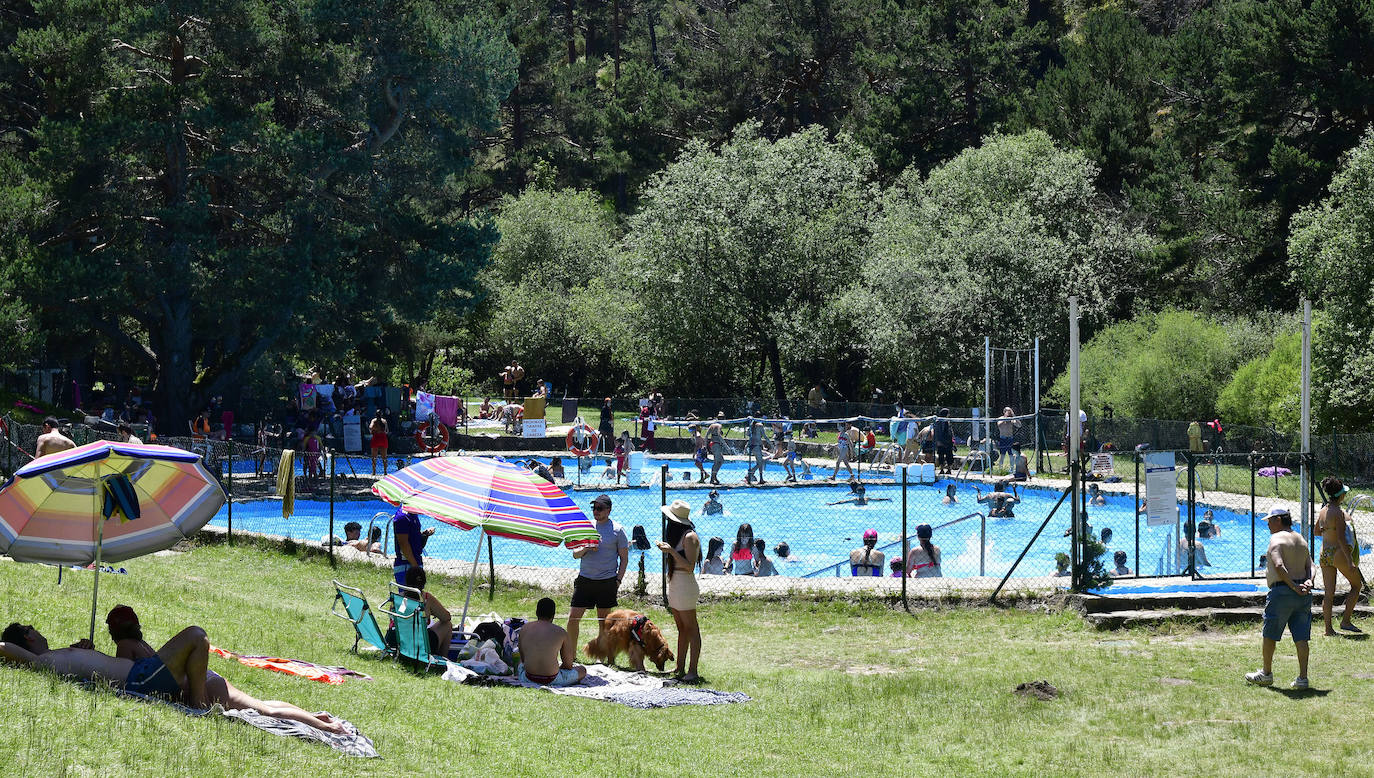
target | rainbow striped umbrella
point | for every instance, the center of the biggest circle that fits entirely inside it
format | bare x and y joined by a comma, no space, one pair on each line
505,500
105,502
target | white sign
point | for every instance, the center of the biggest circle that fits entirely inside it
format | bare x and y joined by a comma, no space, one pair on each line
534,428
352,433
1161,481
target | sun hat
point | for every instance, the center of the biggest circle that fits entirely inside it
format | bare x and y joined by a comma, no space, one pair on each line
679,512
870,533
923,531
601,500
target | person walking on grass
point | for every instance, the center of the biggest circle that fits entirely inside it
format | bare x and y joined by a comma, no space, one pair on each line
1336,556
1289,602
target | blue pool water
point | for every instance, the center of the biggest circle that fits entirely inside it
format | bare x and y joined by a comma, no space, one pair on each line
819,535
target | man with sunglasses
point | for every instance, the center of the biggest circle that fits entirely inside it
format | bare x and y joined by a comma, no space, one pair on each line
602,569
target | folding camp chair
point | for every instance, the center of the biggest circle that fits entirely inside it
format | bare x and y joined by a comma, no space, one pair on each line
411,622
359,614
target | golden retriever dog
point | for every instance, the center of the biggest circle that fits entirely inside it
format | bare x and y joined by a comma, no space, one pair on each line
632,633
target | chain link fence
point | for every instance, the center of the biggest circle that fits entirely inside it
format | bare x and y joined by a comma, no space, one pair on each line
770,520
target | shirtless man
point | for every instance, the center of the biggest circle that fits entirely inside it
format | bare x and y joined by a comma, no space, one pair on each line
1336,556
546,651
380,442
175,671
51,441
999,500
1289,602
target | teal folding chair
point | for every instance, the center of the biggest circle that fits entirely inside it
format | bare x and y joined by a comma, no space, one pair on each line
359,614
411,622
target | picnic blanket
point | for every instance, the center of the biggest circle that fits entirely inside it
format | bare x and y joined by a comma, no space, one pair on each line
636,690
322,673
350,741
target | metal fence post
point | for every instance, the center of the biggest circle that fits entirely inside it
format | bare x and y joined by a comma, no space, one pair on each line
332,561
982,545
663,526
1253,558
1135,506
1192,513
230,480
906,544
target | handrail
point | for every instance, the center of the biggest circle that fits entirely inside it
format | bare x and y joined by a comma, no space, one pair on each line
386,533
968,463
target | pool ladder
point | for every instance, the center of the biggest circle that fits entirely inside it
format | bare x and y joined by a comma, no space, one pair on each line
966,469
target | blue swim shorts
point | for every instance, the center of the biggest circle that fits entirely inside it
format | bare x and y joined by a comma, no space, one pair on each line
151,677
1285,607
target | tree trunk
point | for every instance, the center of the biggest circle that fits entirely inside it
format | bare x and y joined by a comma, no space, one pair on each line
593,46
176,388
615,36
775,366
570,31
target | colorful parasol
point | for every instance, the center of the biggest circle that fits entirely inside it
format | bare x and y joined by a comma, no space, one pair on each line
505,500
105,502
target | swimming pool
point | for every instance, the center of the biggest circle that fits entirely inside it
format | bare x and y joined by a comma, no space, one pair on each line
821,535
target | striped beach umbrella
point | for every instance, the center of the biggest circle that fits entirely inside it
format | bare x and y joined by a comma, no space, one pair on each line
105,502
505,500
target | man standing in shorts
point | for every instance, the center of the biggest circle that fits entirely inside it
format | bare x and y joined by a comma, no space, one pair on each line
601,571
1289,575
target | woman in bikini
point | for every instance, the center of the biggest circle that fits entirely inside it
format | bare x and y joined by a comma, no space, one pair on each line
127,634
682,546
1336,555
742,552
924,560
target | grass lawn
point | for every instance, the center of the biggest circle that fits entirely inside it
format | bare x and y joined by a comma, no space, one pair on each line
835,685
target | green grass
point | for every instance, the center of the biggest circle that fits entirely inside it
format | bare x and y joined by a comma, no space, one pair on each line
835,684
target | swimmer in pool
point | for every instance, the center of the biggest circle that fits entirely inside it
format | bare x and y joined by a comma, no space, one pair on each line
950,497
860,496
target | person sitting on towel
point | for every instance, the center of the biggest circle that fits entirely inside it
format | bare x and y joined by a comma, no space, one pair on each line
127,634
546,651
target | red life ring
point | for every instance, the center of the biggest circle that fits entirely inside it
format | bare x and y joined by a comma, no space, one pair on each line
420,437
593,442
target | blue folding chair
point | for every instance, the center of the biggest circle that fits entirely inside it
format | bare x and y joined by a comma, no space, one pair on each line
411,623
358,613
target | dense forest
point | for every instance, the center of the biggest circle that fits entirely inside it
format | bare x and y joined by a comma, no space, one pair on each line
715,198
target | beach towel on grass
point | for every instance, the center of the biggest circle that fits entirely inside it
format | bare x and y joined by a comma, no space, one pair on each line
350,741
322,673
636,690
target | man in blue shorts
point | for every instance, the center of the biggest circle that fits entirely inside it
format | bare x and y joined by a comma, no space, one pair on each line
1289,574
601,571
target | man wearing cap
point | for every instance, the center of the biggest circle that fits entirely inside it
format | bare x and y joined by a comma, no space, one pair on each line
1289,603
866,560
601,571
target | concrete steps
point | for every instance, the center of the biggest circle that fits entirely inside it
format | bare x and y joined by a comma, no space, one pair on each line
1132,610
1239,615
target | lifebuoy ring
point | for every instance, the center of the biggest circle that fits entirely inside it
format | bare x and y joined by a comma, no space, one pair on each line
420,437
593,441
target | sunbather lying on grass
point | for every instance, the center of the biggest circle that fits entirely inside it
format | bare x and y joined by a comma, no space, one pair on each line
127,634
176,671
